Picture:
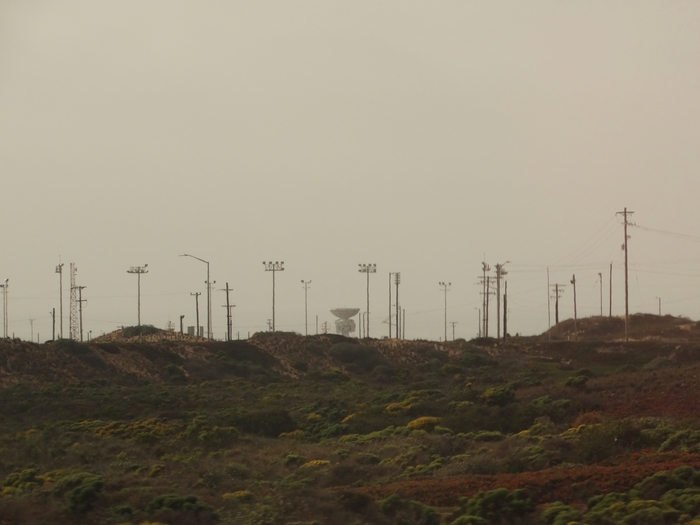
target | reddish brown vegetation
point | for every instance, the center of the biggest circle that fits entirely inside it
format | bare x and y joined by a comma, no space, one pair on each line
570,485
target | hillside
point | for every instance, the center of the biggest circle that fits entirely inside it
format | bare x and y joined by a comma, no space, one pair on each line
281,428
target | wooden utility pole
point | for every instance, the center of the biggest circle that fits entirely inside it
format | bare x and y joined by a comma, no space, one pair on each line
505,312
610,313
397,280
80,307
485,291
625,213
600,276
228,306
558,290
196,302
573,281
453,323
181,330
500,272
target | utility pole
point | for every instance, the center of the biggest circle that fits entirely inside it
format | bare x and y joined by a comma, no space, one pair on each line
505,312
445,288
485,268
500,272
138,270
558,290
625,213
600,276
397,280
573,281
209,283
59,271
368,269
31,329
659,298
549,309
228,307
273,267
80,308
486,312
182,332
196,303
53,324
453,323
74,326
306,305
610,314
4,287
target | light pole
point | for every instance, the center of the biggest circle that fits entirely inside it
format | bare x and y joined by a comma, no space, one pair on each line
59,271
368,269
397,280
273,267
446,288
659,298
306,305
138,270
209,283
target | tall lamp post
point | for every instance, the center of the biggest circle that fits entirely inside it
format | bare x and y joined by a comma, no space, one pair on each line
306,305
59,271
368,269
273,267
138,270
209,283
446,288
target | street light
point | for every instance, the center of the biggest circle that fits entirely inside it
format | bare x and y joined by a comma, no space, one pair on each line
306,308
446,288
209,283
138,270
368,269
273,267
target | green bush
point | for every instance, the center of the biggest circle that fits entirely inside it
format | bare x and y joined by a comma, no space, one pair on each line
499,506
364,358
175,502
499,396
408,512
560,514
144,329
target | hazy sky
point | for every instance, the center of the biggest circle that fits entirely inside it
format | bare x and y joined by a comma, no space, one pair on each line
420,136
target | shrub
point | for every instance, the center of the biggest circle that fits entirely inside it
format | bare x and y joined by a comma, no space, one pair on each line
576,381
424,423
268,423
560,514
500,396
499,506
365,358
408,512
83,497
175,502
144,329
